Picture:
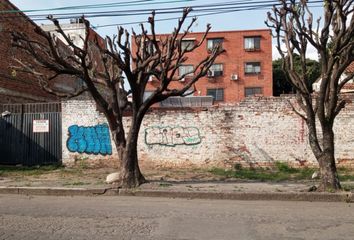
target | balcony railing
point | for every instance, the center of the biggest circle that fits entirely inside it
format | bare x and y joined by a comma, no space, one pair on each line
192,101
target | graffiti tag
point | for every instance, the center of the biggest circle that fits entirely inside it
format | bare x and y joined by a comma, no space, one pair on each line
90,140
172,136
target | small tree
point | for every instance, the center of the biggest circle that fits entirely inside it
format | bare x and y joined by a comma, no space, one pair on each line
97,65
283,86
294,30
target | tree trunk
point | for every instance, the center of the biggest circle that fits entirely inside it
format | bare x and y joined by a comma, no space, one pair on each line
324,154
326,160
130,174
328,173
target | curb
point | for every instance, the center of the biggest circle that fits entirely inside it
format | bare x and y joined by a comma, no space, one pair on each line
246,196
56,191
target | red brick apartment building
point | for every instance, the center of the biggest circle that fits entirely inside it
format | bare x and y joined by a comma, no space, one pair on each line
244,69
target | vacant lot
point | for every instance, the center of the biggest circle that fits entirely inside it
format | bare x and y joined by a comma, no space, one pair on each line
82,174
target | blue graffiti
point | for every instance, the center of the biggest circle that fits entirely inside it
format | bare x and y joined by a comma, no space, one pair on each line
90,140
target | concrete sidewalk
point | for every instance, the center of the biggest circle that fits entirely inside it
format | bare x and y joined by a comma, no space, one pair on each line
232,190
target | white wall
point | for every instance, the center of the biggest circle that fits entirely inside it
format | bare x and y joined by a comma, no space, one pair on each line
255,132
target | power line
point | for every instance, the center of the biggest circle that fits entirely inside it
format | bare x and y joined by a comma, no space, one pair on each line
128,12
203,10
132,12
104,5
172,18
176,18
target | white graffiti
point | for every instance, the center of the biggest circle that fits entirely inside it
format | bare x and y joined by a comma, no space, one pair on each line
172,136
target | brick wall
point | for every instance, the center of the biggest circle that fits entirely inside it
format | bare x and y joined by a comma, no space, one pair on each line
256,132
16,86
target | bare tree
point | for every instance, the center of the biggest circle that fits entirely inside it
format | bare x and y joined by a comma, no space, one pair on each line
295,31
99,65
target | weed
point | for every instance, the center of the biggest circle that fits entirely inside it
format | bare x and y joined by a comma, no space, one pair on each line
348,187
305,173
346,177
284,167
78,183
165,185
27,171
75,183
238,166
82,164
100,182
281,172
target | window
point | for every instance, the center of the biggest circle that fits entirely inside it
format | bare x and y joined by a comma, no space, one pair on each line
150,47
189,92
187,44
216,93
216,70
213,42
186,70
147,94
253,91
252,67
252,43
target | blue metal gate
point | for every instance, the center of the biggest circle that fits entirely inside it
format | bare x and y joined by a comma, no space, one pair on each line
22,141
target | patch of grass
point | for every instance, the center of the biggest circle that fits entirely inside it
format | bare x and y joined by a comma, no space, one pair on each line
100,182
285,168
305,173
345,174
281,172
346,177
78,183
71,172
238,166
82,163
348,187
165,184
27,171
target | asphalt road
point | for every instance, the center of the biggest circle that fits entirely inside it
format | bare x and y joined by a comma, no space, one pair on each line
43,217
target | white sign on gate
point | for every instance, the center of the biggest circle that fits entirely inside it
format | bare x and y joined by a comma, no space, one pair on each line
41,126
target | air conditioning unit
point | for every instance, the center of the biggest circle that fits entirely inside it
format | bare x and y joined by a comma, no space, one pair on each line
211,73
234,77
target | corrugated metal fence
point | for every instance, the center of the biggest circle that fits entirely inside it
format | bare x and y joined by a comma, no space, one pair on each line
30,134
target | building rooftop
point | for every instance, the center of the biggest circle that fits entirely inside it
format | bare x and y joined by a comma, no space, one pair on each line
350,68
220,32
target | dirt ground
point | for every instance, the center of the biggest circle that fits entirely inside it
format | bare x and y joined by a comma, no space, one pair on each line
84,174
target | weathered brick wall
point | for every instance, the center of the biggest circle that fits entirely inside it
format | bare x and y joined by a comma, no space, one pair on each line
81,113
16,86
256,132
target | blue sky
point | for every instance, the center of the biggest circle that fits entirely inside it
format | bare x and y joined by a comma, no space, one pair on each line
240,20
